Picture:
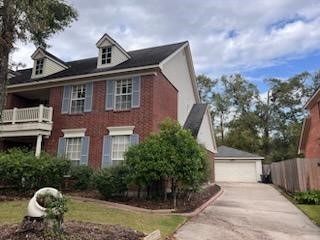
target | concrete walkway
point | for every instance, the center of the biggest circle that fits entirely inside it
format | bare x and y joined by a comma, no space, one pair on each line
250,211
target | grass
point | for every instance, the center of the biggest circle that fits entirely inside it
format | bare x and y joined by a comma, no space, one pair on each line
312,211
13,212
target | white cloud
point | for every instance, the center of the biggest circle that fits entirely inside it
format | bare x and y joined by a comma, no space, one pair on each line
225,35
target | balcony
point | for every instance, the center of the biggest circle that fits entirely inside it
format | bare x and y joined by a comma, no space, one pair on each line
31,121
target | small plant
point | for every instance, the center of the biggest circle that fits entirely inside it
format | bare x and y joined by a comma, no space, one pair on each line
310,197
55,207
83,177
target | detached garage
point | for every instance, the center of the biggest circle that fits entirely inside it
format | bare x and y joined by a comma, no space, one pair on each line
233,165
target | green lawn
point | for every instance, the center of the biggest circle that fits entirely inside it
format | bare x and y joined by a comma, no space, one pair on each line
313,211
12,212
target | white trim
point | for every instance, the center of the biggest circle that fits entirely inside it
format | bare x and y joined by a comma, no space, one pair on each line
122,130
172,55
300,150
46,56
24,133
112,41
311,98
73,133
238,158
33,84
211,130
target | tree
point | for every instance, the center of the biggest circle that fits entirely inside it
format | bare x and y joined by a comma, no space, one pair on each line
171,154
29,20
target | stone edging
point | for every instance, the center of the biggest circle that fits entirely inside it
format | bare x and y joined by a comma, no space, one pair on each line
144,210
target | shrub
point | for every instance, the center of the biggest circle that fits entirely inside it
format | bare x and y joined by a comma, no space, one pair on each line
311,197
112,181
83,177
23,171
172,154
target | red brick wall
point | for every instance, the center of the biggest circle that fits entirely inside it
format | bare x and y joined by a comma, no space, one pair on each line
14,100
312,149
97,121
165,101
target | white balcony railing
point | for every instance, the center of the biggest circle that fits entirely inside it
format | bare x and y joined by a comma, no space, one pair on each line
23,115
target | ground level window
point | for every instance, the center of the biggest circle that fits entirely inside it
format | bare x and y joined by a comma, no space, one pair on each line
120,145
73,150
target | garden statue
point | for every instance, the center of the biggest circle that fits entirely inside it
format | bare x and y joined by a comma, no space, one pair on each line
45,211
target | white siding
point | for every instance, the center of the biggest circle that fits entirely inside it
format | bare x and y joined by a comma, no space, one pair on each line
117,56
177,71
204,136
49,66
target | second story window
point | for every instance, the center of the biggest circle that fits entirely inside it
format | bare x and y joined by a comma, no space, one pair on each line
39,67
78,98
106,55
123,94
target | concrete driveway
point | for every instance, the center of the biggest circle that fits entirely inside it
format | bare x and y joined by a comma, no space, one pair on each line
249,211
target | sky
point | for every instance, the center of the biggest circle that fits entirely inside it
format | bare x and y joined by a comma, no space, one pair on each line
257,38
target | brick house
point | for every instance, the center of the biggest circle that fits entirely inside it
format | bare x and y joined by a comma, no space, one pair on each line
309,143
91,110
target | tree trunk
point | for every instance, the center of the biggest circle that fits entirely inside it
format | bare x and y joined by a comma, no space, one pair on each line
4,63
222,127
174,192
6,41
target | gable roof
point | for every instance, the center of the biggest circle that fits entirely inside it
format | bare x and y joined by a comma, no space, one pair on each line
114,42
139,58
195,118
232,153
50,55
313,99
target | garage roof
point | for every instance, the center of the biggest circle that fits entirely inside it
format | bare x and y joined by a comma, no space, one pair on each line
225,152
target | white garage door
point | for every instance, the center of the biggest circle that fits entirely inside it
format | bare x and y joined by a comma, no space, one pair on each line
235,171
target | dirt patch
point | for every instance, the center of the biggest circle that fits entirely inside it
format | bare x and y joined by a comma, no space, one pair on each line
74,231
185,203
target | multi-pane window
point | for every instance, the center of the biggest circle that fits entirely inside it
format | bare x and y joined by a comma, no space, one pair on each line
39,66
120,145
77,98
106,55
73,150
123,94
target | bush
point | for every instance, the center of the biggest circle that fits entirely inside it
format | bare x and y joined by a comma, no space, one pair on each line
83,177
112,181
311,197
23,171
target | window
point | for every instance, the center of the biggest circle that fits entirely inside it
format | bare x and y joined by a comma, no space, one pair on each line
120,145
106,55
78,98
39,67
123,94
73,150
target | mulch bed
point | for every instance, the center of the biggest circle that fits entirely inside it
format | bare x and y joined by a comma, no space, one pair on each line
185,203
74,231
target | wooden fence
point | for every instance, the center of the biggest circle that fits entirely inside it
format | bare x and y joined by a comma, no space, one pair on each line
297,175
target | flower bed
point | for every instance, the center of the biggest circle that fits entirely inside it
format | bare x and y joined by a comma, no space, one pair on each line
73,231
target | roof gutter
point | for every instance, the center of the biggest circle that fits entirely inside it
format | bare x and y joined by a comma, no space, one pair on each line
55,80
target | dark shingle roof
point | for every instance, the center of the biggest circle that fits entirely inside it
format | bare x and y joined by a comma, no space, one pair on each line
139,58
224,151
53,56
195,117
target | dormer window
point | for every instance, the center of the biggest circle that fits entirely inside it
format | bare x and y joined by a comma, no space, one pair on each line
106,55
39,67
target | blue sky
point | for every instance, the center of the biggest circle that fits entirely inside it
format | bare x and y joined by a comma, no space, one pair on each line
260,39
